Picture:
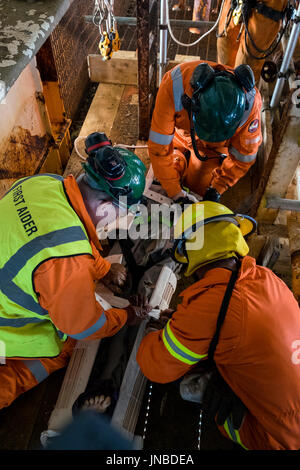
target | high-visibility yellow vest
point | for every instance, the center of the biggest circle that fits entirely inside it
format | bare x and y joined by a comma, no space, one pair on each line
38,223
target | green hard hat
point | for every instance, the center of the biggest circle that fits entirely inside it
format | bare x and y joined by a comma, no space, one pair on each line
218,109
118,172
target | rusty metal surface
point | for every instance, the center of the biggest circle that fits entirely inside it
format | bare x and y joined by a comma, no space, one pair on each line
24,27
23,154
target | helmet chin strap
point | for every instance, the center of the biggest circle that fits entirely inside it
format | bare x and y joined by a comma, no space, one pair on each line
221,156
200,157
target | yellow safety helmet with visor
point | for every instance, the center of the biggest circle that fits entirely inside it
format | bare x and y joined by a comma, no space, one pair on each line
208,231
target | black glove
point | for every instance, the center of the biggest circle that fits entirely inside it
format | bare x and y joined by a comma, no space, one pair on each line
221,401
184,201
212,195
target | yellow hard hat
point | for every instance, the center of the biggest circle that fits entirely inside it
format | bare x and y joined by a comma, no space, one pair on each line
208,231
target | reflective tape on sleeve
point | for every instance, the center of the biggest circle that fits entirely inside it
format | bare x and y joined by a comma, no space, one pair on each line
92,329
241,157
178,350
178,90
37,369
162,139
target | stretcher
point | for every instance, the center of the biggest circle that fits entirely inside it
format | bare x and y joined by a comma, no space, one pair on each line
74,383
133,385
82,360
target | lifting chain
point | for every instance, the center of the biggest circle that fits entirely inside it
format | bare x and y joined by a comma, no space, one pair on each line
104,18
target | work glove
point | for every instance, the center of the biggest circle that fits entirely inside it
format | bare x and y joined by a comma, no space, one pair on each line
183,197
115,278
212,195
136,314
220,401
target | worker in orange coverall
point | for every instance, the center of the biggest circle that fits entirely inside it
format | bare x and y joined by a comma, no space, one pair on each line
50,261
205,129
252,352
247,32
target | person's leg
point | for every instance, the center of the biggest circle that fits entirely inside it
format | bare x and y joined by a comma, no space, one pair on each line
200,13
227,44
19,376
263,31
198,175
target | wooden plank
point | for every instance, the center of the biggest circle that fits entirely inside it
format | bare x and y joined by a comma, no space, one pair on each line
273,230
100,118
256,244
122,69
142,152
267,137
281,166
270,253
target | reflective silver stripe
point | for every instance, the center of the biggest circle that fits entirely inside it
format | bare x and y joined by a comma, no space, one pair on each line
18,322
178,90
20,258
37,369
240,157
99,323
250,99
162,139
21,181
253,141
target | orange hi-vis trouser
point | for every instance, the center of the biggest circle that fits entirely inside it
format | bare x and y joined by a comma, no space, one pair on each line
20,375
231,47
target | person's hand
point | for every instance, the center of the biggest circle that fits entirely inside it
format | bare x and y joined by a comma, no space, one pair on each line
160,323
220,401
115,278
136,314
183,197
138,300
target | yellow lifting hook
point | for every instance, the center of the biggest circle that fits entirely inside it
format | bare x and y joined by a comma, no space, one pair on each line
105,46
115,40
109,43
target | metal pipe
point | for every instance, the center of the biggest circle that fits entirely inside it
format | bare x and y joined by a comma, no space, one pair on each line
290,48
131,21
163,40
283,204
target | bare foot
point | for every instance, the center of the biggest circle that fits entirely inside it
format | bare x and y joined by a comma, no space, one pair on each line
98,403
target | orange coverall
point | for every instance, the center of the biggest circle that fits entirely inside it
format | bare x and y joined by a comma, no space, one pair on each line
65,287
170,136
231,48
258,353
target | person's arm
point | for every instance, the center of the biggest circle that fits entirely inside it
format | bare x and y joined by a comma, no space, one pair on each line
167,354
65,288
243,148
161,134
